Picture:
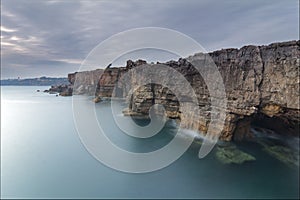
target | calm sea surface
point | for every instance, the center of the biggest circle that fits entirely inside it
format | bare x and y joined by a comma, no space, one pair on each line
42,157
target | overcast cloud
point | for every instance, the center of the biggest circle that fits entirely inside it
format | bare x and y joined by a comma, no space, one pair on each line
52,37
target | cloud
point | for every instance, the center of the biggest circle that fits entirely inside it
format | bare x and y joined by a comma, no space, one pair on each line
4,29
52,37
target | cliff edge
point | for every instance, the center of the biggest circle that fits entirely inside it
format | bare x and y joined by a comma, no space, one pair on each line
261,84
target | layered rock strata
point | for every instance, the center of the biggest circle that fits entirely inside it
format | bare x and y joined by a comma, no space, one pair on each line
261,84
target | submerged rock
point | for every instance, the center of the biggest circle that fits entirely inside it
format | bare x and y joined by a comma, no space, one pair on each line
282,148
232,155
284,154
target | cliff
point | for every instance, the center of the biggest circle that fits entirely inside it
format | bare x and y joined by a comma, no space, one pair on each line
261,84
86,82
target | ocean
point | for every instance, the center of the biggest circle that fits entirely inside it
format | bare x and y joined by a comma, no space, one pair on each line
42,157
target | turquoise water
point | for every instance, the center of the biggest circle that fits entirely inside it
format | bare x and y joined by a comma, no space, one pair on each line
42,157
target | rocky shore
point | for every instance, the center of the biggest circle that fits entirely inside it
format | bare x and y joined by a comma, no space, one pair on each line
261,84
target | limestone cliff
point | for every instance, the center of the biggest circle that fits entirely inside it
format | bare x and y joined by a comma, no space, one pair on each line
262,87
86,82
261,83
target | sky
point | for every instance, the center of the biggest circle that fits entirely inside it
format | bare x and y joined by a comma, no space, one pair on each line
53,37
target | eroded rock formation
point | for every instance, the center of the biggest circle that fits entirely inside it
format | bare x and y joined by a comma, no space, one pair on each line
261,84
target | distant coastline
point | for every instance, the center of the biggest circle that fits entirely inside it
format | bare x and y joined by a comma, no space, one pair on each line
41,81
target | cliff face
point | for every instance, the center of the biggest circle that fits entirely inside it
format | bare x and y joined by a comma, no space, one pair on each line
86,82
261,83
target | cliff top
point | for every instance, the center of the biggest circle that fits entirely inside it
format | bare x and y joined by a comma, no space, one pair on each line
130,63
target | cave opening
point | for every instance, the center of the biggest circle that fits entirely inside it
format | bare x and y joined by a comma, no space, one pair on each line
281,125
260,121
